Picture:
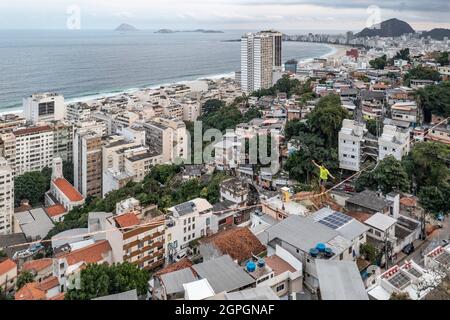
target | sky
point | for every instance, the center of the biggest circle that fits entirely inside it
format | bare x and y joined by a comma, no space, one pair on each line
339,15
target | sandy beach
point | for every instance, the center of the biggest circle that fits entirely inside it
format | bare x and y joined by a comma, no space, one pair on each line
340,51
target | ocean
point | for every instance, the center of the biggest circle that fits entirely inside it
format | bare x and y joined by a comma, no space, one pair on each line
88,64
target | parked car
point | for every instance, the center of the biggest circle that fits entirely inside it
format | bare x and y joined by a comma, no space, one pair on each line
408,249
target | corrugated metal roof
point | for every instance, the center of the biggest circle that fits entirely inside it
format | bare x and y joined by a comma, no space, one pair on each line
223,274
340,280
173,281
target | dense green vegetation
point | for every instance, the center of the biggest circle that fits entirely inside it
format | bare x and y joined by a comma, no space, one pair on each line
421,73
32,186
374,127
424,171
435,99
389,175
403,54
286,85
316,139
24,278
379,63
98,280
162,186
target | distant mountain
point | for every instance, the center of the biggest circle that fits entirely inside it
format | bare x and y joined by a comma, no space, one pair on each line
388,28
437,34
126,27
167,31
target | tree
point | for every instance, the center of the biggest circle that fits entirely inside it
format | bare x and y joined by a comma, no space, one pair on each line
373,126
403,54
400,296
422,73
435,199
370,253
212,105
426,164
434,99
389,175
326,118
31,186
379,63
443,58
24,278
3,254
98,280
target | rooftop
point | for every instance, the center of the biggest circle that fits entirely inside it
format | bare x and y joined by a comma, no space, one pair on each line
173,282
37,265
239,243
127,220
91,254
340,280
55,210
380,221
68,190
300,232
369,199
223,274
6,266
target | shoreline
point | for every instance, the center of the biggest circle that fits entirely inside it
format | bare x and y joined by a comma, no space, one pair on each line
337,51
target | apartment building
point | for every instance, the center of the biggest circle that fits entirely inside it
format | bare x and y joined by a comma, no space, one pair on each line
6,197
174,111
87,162
78,112
191,109
405,112
351,145
9,122
393,142
8,276
167,136
138,162
187,222
133,237
126,119
63,140
34,148
8,148
260,55
44,107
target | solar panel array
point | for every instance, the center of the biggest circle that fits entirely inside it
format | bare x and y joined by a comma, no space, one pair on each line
444,258
185,208
335,220
399,280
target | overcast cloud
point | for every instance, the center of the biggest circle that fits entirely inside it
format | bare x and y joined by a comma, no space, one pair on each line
337,15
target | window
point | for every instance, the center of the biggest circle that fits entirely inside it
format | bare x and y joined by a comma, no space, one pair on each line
184,239
341,256
350,250
280,287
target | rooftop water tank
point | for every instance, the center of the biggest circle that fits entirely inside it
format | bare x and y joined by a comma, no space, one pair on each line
261,263
313,252
321,247
328,252
251,266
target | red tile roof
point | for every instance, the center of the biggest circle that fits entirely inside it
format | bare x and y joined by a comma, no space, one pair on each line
91,254
278,265
6,266
360,216
239,243
66,188
37,265
48,283
59,296
56,210
180,265
30,292
127,220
